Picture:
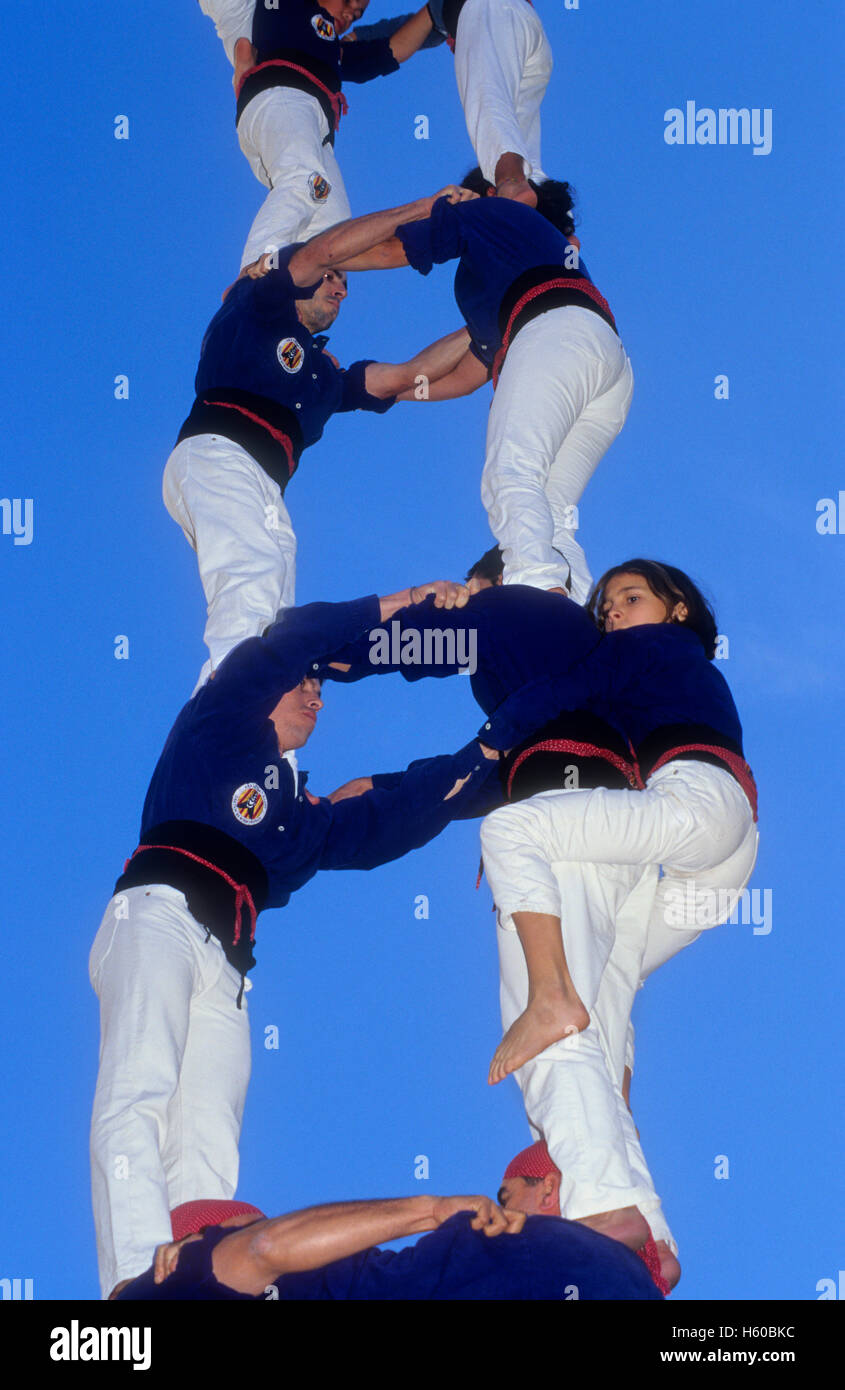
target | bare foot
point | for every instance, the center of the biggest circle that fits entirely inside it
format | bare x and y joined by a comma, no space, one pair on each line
245,56
626,1224
548,1018
669,1267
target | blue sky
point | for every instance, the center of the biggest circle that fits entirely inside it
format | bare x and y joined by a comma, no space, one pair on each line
715,261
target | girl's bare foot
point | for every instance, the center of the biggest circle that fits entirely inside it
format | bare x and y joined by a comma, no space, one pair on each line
549,1017
626,1224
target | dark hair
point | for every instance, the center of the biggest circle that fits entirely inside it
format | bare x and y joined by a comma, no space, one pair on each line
555,200
490,566
672,586
476,183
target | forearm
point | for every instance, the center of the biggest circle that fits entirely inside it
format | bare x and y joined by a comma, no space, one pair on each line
308,1239
440,358
411,36
386,823
339,247
388,255
442,640
460,380
417,374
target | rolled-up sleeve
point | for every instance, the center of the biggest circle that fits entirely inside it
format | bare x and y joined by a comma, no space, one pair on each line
388,822
366,58
435,239
355,395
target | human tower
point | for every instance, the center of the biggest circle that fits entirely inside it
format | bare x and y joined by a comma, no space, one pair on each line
619,809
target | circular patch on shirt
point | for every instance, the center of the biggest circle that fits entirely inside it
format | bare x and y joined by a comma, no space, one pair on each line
249,804
290,354
323,28
318,187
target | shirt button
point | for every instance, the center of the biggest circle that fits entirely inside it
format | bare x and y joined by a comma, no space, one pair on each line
280,827
299,405
313,376
487,726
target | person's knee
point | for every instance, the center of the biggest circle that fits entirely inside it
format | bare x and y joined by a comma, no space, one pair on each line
494,834
511,829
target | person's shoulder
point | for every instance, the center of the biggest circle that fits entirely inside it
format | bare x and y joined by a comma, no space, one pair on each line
667,643
544,603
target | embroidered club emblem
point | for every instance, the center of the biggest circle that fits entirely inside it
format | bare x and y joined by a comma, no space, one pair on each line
319,188
249,804
290,354
323,28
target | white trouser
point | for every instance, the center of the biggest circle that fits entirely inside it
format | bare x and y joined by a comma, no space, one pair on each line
281,132
232,20
685,904
569,1095
562,398
174,1070
503,62
572,854
233,515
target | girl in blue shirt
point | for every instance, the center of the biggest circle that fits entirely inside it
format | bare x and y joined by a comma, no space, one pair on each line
690,809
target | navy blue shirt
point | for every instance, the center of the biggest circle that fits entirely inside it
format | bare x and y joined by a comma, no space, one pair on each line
256,343
549,1259
496,241
221,765
521,635
306,27
639,679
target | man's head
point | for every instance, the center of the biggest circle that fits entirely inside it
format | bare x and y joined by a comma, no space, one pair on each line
296,713
344,12
531,1183
487,572
320,311
555,199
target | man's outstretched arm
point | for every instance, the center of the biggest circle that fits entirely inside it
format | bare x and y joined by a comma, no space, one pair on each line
420,374
467,374
251,1258
427,627
341,244
258,672
405,810
412,35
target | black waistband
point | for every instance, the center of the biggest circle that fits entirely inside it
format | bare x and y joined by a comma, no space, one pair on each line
451,11
548,760
222,411
265,78
671,738
211,900
578,291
